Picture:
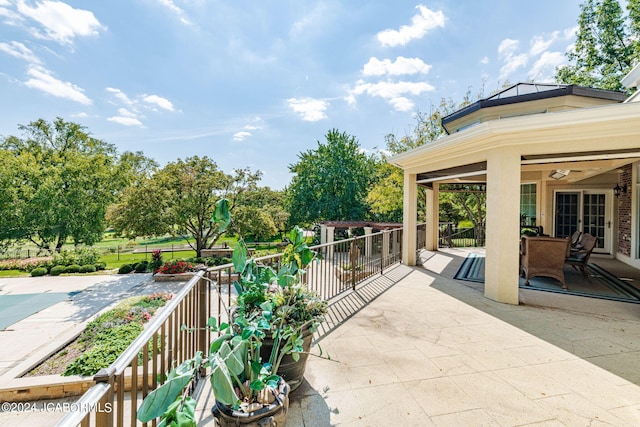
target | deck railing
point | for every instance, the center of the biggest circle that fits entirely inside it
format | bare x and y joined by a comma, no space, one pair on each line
165,343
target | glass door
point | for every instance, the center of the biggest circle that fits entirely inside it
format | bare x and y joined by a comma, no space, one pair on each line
567,217
587,211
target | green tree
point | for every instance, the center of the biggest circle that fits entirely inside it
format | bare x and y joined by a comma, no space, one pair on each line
386,193
607,45
180,199
62,181
260,214
330,182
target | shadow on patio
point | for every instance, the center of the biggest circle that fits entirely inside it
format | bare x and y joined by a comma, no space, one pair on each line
415,347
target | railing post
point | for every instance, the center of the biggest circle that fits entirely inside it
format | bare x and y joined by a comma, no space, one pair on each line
384,255
202,315
104,418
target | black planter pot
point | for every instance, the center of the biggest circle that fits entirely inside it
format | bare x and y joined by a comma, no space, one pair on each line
290,370
272,415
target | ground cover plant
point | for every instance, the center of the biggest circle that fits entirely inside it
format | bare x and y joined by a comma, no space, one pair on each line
104,338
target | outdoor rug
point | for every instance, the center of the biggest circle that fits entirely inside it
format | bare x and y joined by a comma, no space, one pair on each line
14,308
602,285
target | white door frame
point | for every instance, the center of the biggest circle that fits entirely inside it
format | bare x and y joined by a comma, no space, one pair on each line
609,223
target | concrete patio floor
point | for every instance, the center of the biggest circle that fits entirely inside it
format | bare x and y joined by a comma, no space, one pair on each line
416,348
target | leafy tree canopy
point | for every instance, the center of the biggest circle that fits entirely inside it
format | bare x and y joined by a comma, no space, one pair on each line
58,182
330,182
180,198
607,45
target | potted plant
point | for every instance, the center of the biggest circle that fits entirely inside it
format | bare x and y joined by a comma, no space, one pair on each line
270,327
297,310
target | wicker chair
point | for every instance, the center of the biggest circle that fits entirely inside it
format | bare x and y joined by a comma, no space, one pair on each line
543,256
579,257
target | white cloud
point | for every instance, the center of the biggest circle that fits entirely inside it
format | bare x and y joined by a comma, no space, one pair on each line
60,21
544,68
392,92
506,52
484,60
158,101
125,121
81,115
311,110
42,79
131,115
420,24
121,96
19,50
241,136
402,103
507,48
539,44
400,66
123,112
175,10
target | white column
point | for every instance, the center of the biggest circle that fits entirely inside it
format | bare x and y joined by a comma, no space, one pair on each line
433,218
409,214
394,242
368,246
503,226
330,236
323,238
384,255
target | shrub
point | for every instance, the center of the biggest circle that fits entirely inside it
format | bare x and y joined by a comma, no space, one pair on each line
141,267
87,268
73,268
37,272
56,270
175,267
100,265
26,264
125,269
79,256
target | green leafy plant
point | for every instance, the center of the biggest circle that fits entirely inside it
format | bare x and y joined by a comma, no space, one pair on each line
270,303
109,334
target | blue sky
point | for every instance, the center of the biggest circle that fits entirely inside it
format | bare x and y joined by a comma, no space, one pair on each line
254,83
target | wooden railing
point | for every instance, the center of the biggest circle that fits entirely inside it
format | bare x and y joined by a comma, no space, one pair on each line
165,343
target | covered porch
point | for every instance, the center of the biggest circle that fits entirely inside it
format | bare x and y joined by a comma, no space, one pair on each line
595,150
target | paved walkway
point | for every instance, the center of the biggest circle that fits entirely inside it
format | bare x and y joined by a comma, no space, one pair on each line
417,348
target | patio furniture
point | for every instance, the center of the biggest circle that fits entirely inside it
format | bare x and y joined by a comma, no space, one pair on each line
579,256
575,238
543,256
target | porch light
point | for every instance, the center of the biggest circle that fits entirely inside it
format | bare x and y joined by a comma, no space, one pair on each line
617,190
559,173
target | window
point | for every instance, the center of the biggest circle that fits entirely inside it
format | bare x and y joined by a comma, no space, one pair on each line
528,204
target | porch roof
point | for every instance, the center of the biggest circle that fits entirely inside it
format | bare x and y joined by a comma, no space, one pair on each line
603,133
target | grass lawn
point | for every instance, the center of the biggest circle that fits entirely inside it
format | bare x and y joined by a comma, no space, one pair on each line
112,260
14,273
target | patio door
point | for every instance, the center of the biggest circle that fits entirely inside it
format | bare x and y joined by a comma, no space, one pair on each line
588,211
